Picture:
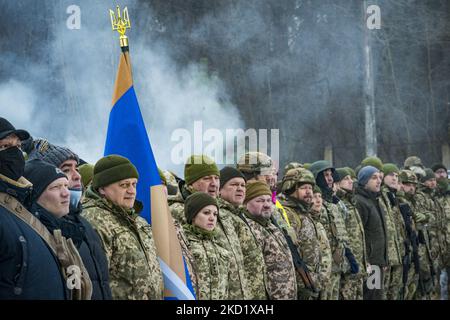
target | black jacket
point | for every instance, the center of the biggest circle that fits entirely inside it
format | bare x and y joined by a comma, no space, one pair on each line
372,217
92,249
28,268
75,227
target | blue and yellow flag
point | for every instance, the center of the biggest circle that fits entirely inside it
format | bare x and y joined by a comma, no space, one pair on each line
127,137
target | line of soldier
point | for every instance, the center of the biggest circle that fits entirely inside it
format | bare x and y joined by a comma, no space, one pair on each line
318,233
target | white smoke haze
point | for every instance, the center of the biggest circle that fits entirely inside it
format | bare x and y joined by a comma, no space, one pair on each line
18,101
85,62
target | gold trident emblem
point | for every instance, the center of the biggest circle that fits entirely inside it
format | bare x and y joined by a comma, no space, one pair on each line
120,24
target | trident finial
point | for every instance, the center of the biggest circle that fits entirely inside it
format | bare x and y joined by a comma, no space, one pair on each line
120,24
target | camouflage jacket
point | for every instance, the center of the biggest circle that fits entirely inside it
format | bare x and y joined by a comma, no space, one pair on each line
228,233
355,230
325,249
443,200
308,239
394,225
127,239
212,263
333,222
434,224
280,271
254,267
176,204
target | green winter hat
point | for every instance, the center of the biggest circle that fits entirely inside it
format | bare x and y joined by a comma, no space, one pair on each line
352,172
199,166
87,172
343,172
389,168
372,161
196,202
317,189
111,169
256,189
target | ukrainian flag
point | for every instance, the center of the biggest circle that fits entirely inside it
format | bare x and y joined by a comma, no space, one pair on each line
127,137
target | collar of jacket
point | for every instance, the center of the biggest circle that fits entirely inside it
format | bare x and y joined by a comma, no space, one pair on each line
347,196
316,215
327,194
366,193
385,188
425,189
200,233
185,190
262,221
297,204
93,198
70,228
224,204
20,189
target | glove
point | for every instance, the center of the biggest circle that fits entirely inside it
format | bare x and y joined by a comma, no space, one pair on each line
420,217
354,267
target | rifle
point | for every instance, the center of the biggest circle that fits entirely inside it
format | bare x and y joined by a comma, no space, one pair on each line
423,234
299,264
411,241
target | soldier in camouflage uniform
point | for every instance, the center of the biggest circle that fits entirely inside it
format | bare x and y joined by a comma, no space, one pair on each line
317,210
333,221
430,231
298,190
244,246
408,183
421,205
257,166
395,231
212,259
280,271
127,238
202,175
443,199
352,284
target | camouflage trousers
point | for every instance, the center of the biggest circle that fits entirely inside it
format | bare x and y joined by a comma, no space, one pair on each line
332,292
393,282
351,287
411,285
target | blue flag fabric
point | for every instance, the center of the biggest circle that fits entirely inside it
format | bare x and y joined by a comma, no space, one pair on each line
128,137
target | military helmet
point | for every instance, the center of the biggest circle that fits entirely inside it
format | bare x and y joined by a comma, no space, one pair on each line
294,177
292,165
319,166
255,163
429,174
413,161
407,176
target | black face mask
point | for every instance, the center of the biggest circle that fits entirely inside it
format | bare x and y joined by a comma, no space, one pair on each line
12,163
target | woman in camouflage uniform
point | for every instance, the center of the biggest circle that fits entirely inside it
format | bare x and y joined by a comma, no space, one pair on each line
212,260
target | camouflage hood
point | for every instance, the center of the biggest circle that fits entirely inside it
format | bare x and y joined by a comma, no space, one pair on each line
296,204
